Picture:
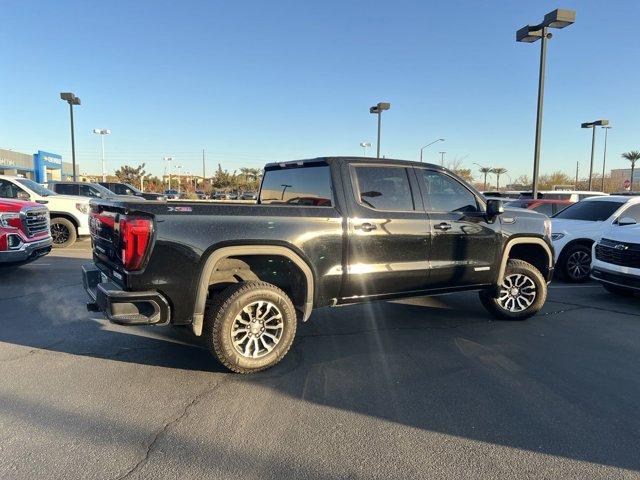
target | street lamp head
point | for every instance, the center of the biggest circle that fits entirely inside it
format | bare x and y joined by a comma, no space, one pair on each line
70,98
528,34
380,107
597,123
102,131
365,144
559,18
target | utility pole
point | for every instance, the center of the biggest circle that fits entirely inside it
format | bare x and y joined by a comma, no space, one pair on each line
604,156
577,168
442,158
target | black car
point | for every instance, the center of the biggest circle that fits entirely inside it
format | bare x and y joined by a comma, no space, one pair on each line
83,189
324,232
126,189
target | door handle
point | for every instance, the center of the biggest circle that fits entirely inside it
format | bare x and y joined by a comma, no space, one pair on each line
365,227
444,226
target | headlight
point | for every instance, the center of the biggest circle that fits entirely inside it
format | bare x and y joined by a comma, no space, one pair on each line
557,236
83,207
11,219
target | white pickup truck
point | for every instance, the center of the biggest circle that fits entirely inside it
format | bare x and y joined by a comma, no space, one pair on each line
69,213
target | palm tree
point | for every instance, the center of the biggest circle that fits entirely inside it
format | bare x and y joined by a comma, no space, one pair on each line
485,171
497,172
632,156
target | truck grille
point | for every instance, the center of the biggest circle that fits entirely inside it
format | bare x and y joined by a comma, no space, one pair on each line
35,221
618,253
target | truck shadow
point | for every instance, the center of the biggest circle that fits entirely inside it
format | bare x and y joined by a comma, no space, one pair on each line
433,363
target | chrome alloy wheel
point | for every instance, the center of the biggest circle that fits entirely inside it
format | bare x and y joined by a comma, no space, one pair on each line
257,329
578,264
517,292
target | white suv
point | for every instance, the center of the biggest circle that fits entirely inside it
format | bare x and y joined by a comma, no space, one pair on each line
577,227
616,258
69,213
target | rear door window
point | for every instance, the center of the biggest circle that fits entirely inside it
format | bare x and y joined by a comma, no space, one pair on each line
308,186
8,189
383,188
66,189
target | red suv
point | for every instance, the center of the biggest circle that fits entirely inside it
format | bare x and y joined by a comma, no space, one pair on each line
24,232
549,207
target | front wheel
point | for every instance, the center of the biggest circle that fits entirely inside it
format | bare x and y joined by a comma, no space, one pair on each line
521,295
250,326
63,232
577,263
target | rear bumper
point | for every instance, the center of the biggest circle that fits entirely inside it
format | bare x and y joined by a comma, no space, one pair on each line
631,282
27,252
120,306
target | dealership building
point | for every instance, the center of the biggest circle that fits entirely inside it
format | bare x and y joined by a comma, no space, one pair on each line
40,166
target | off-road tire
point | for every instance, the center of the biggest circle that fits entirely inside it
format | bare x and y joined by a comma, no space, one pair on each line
71,230
616,290
220,315
490,301
566,271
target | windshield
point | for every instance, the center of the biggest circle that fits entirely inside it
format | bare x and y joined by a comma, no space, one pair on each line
590,211
35,187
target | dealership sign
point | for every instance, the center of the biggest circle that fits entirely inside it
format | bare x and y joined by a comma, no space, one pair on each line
7,162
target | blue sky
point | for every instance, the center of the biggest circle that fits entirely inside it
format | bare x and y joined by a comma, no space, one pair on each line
258,81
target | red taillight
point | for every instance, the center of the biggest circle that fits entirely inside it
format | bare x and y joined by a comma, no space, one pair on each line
4,245
135,235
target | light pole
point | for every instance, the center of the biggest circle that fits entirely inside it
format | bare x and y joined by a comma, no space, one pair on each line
592,126
557,19
604,156
429,144
72,100
442,158
102,132
378,109
169,160
179,167
365,145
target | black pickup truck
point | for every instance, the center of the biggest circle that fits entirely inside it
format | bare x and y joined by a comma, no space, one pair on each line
324,232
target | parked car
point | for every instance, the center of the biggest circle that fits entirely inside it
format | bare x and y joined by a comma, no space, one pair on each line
571,195
616,258
24,232
83,189
201,195
173,194
69,213
577,227
242,275
218,195
249,196
125,189
548,207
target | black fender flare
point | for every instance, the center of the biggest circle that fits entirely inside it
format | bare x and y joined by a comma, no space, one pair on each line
225,252
519,241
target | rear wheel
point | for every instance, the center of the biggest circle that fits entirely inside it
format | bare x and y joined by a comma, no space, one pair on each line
576,263
250,326
521,295
63,232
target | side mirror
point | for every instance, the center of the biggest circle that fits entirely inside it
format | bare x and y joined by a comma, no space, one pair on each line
23,196
494,208
624,221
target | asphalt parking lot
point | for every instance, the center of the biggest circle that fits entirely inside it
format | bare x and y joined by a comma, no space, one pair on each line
426,388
